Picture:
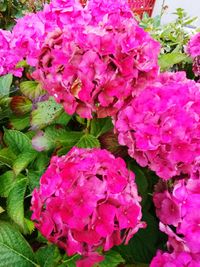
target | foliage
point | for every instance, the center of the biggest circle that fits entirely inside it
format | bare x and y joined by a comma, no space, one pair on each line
172,36
13,9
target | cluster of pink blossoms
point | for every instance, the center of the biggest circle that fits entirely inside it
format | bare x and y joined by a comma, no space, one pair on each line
178,207
8,57
96,66
193,49
86,198
105,54
161,125
29,33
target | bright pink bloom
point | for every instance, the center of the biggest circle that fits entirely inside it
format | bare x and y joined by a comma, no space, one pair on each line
183,230
98,60
161,125
85,200
8,57
175,260
193,47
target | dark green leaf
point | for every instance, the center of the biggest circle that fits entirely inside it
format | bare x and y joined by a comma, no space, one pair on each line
112,259
17,141
7,157
15,202
100,126
142,247
33,179
141,180
20,123
88,141
63,119
7,182
69,261
48,256
23,160
14,250
54,137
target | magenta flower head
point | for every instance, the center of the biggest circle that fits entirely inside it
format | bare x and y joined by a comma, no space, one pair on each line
193,47
87,199
161,125
97,65
177,207
8,57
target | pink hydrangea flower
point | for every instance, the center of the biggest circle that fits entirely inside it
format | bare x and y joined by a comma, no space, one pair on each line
87,199
8,58
193,49
114,54
27,37
161,125
97,68
175,260
183,230
103,11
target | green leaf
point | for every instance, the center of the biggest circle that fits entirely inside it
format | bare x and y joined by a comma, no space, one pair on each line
3,6
6,181
100,126
54,137
166,61
33,179
112,259
48,256
1,210
41,162
65,138
142,247
88,141
20,105
14,250
5,84
7,157
22,64
29,225
45,113
15,202
141,180
69,261
23,160
17,141
20,123
63,119
31,89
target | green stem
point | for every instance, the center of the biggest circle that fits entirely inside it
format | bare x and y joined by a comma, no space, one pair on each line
88,125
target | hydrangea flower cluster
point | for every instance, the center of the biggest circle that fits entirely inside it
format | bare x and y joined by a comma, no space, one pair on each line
161,125
97,65
8,58
87,199
29,33
193,49
178,259
178,207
